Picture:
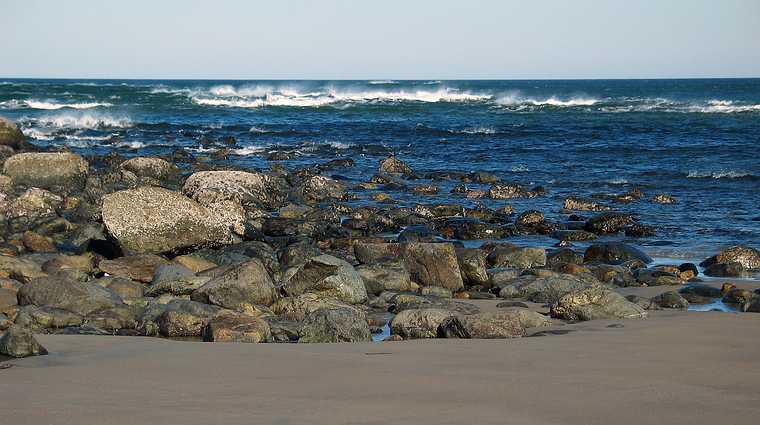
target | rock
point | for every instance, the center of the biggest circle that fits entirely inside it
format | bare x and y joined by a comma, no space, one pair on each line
123,287
548,288
34,242
180,286
298,307
236,327
670,299
563,256
34,207
697,293
419,323
249,189
184,318
404,301
472,264
58,292
510,256
384,277
433,264
20,342
726,270
330,277
468,228
20,269
654,277
596,303
664,199
155,220
530,218
59,171
614,253
136,267
435,291
7,298
581,204
10,135
317,189
573,235
150,167
195,263
46,318
610,222
393,165
507,323
113,319
748,258
338,324
240,288
507,191
370,253
638,230
739,296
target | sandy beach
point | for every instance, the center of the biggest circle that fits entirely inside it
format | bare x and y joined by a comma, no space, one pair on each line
675,367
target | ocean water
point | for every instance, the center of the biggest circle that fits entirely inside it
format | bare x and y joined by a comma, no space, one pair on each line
698,140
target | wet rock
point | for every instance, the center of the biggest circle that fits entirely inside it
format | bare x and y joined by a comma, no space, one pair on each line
338,324
654,277
155,220
393,165
563,256
509,191
136,267
20,342
671,299
433,264
466,228
78,297
638,230
417,233
328,276
389,276
596,303
419,323
530,218
317,189
581,204
58,171
507,323
250,189
241,288
614,253
510,256
236,327
472,264
610,222
664,199
740,297
736,260
10,135
573,235
697,293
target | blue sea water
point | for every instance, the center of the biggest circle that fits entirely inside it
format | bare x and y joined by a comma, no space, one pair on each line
698,140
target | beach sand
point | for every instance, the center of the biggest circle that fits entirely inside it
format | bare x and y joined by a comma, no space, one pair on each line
673,368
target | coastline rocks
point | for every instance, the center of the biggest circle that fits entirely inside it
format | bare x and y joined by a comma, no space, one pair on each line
327,276
548,287
151,168
298,307
596,303
664,199
394,166
236,327
335,324
419,323
614,253
507,256
20,342
582,204
59,171
610,222
317,189
697,293
511,191
671,299
240,288
10,134
67,294
732,262
156,220
250,189
178,318
507,323
384,277
433,264
136,267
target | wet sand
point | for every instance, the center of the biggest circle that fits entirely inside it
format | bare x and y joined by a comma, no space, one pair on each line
673,368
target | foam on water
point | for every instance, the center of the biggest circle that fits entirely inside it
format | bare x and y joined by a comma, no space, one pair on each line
82,121
720,174
51,106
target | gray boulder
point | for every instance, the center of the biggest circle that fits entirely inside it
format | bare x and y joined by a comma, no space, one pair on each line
67,294
57,171
342,324
596,303
419,323
507,323
241,288
327,276
384,277
20,342
433,264
10,135
250,189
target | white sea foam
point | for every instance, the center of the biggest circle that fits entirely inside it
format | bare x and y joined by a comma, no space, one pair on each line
259,130
83,121
724,107
38,104
618,181
478,130
248,150
520,168
516,99
132,145
380,82
36,133
340,145
720,174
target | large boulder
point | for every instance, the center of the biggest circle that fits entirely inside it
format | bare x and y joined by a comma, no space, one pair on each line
58,171
732,262
136,267
433,264
327,276
236,327
506,323
596,303
67,294
298,307
395,166
547,287
339,324
10,135
317,189
150,167
155,220
614,253
609,222
505,256
472,264
18,342
390,276
419,323
181,318
250,189
241,288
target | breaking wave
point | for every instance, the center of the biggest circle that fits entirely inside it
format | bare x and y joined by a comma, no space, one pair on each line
37,104
517,100
720,174
85,121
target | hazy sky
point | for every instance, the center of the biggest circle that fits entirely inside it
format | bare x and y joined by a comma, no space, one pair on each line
380,39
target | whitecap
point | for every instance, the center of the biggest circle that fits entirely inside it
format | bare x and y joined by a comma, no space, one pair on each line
720,174
256,129
381,82
132,145
515,99
84,121
520,168
36,133
248,150
478,130
340,145
38,104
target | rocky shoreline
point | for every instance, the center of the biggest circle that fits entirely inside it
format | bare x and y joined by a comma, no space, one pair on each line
173,247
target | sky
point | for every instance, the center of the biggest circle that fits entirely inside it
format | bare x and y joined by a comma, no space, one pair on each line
333,39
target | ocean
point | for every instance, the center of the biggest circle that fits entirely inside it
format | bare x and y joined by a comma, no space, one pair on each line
695,139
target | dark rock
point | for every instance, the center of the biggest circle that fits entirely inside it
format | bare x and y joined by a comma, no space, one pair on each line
582,204
19,342
510,256
240,288
614,253
671,299
610,222
419,323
